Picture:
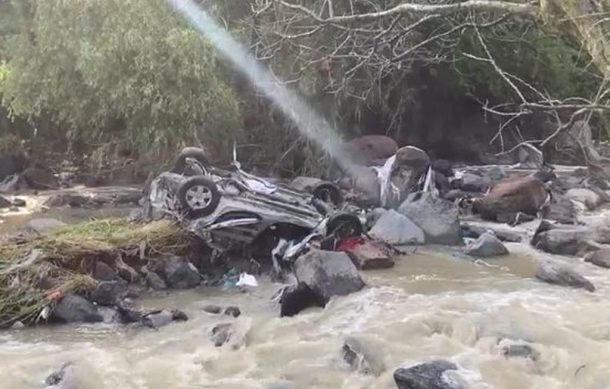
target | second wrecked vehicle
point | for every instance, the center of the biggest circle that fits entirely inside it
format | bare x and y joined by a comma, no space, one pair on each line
232,209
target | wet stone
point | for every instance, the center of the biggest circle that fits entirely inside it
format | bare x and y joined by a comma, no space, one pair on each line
358,354
562,276
109,292
74,309
599,258
154,281
213,309
430,375
5,203
17,202
221,334
232,311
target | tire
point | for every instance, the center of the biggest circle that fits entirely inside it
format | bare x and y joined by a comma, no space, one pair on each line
190,152
327,191
344,224
199,197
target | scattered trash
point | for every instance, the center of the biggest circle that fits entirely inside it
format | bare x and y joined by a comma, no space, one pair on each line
246,279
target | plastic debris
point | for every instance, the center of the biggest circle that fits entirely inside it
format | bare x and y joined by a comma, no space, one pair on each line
246,279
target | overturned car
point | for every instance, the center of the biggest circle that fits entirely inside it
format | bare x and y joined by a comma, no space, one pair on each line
232,209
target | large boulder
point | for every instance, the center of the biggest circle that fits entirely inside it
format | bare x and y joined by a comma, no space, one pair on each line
328,274
368,255
562,276
486,246
109,292
38,178
560,209
438,218
180,273
512,196
76,309
599,258
360,355
369,149
585,196
395,228
431,375
562,240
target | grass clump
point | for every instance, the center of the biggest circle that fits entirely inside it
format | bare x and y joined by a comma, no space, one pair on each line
34,267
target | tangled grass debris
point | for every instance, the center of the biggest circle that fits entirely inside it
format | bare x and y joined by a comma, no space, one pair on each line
34,267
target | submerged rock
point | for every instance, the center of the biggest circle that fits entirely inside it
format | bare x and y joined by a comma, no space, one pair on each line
430,375
520,351
297,298
213,309
438,218
180,273
221,334
162,318
472,231
57,377
232,311
395,228
562,276
359,355
328,274
599,258
76,309
487,245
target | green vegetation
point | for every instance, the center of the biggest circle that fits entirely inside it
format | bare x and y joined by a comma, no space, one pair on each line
119,70
32,270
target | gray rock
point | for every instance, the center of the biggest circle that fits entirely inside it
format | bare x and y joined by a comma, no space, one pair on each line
371,255
297,298
213,309
561,210
375,215
472,231
17,202
43,225
232,311
359,355
5,203
37,178
75,309
585,196
58,376
180,273
520,351
154,281
487,245
599,258
562,276
397,229
563,241
426,376
438,218
529,157
328,274
221,334
282,385
162,318
103,272
109,292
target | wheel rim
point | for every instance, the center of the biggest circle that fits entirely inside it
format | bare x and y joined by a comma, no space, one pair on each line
199,197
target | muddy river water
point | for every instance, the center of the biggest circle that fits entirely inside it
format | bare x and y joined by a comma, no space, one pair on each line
433,304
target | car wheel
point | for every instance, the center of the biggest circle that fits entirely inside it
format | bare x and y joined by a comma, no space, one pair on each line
328,193
199,196
343,225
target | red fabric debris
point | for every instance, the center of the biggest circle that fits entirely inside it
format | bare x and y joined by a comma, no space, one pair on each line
349,244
